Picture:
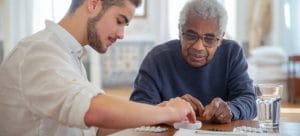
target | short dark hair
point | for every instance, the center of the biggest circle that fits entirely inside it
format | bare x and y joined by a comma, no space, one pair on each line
106,4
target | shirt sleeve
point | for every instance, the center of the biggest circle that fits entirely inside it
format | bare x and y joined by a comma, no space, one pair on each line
53,87
242,100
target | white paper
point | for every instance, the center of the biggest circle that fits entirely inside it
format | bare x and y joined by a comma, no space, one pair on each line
188,132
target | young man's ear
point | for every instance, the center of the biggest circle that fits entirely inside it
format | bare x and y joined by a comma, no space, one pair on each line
94,6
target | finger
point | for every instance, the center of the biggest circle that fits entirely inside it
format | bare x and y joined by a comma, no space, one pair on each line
208,112
224,119
220,118
188,109
219,112
163,103
211,109
191,115
198,104
222,109
215,104
186,98
226,115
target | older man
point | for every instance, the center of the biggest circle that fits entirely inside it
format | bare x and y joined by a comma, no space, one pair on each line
203,68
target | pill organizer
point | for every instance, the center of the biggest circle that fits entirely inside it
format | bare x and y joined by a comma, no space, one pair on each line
188,125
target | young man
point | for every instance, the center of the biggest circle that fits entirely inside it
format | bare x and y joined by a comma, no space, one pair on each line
202,67
44,87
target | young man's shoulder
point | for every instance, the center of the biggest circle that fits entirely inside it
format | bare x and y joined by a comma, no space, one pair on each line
39,43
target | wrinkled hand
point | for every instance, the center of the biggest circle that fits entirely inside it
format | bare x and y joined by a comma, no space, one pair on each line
196,104
181,110
217,111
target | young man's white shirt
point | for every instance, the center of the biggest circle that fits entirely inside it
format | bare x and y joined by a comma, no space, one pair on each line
44,88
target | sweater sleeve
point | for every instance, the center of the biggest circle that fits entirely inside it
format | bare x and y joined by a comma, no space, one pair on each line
242,99
147,82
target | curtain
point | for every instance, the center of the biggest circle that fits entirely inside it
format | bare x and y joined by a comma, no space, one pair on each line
260,22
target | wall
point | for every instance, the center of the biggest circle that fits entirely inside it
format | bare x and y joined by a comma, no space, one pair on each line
1,19
286,33
145,29
1,30
120,64
286,38
16,21
15,18
241,27
5,25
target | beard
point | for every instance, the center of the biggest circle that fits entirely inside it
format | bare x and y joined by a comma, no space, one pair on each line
94,39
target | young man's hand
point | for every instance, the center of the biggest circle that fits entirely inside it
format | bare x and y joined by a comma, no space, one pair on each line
180,109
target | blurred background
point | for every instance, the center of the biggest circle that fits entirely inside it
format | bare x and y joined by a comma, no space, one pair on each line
268,31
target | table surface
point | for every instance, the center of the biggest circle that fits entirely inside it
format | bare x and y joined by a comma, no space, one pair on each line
289,124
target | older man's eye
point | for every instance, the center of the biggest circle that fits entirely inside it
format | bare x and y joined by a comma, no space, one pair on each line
209,40
191,36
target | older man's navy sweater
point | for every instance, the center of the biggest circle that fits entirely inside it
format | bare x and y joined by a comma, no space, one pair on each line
164,74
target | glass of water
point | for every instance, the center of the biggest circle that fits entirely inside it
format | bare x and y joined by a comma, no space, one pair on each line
268,104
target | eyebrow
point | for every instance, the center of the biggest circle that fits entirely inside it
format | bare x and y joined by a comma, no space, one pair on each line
125,18
210,34
206,34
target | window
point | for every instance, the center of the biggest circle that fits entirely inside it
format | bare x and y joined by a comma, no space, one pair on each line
48,9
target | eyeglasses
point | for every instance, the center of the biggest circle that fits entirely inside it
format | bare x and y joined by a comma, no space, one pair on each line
208,40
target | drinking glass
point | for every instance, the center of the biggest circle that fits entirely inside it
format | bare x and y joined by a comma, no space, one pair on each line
268,104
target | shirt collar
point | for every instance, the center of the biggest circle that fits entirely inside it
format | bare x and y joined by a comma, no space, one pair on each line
68,40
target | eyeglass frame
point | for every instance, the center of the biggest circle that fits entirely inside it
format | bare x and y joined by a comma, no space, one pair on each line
202,37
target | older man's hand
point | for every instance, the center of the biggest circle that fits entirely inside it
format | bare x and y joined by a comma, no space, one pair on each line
217,111
195,103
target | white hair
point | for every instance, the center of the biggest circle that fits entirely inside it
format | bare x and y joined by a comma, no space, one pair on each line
206,9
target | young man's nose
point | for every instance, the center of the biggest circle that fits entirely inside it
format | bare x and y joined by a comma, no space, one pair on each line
120,33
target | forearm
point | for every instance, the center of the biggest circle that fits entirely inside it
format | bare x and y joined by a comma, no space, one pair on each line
243,107
110,112
145,90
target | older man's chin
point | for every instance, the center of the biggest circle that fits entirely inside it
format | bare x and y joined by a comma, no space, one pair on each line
197,63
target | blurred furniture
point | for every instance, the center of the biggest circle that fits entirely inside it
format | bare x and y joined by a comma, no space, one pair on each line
268,64
120,64
294,78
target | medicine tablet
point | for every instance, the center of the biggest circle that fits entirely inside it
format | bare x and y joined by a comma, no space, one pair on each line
187,125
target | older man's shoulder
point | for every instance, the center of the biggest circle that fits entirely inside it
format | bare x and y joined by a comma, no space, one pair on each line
230,44
168,46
